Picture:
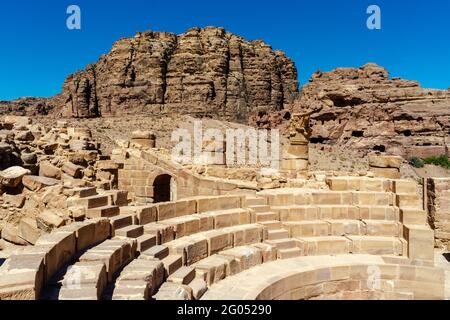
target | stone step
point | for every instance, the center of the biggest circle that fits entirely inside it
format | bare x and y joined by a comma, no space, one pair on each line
145,242
378,245
120,222
255,201
83,192
171,264
271,225
103,212
184,275
130,232
157,252
139,280
327,245
337,212
359,184
409,200
89,202
266,216
278,234
84,281
114,253
117,197
282,243
413,216
289,253
313,228
383,228
260,208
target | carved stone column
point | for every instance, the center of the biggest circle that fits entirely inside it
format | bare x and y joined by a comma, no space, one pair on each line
296,158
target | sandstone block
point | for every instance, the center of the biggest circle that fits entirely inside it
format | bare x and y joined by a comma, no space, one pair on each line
50,171
28,230
72,170
36,183
379,161
12,177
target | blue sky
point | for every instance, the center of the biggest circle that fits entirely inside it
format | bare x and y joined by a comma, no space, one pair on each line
38,51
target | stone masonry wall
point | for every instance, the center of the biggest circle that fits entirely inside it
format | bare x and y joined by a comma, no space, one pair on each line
439,209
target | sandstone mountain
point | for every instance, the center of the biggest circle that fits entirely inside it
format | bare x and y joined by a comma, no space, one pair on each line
201,72
366,110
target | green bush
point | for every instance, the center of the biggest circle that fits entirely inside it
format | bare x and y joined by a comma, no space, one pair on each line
441,161
416,162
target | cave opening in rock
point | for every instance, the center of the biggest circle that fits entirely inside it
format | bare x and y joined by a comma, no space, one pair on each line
341,102
380,148
319,140
407,133
161,188
358,134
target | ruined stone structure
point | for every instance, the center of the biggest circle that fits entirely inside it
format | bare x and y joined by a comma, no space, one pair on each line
201,72
182,236
364,109
385,166
438,201
295,160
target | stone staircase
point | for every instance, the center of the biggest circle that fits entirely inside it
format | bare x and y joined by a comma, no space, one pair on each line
278,236
178,250
355,216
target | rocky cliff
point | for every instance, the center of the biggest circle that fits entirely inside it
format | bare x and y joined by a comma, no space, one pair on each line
201,72
366,110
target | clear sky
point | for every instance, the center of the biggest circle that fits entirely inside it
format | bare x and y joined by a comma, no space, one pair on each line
37,50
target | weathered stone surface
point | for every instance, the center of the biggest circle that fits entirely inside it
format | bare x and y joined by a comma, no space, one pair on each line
364,109
11,234
12,177
50,171
438,201
49,220
36,183
29,231
72,170
381,161
201,71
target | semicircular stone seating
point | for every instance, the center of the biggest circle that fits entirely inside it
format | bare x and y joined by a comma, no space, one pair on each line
204,246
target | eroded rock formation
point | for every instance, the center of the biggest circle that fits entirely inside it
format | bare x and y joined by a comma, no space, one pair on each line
202,72
365,109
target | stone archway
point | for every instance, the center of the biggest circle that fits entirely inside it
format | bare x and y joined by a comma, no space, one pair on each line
162,188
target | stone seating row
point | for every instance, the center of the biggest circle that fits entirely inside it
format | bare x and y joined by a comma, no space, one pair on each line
24,275
354,198
355,276
192,282
348,212
371,184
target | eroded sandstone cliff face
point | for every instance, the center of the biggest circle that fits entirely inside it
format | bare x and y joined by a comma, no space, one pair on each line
366,110
203,71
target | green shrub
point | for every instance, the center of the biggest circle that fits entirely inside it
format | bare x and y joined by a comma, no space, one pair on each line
416,162
441,161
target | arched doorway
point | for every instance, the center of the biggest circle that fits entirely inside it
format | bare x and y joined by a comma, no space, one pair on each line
162,188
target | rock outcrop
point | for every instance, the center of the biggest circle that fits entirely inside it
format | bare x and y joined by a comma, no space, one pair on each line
207,72
366,110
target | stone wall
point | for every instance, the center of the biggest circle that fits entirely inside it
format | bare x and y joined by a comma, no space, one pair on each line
438,196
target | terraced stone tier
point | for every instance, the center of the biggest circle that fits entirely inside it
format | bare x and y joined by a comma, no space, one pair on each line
355,277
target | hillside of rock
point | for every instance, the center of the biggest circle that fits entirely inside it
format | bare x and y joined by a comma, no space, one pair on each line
207,72
363,108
